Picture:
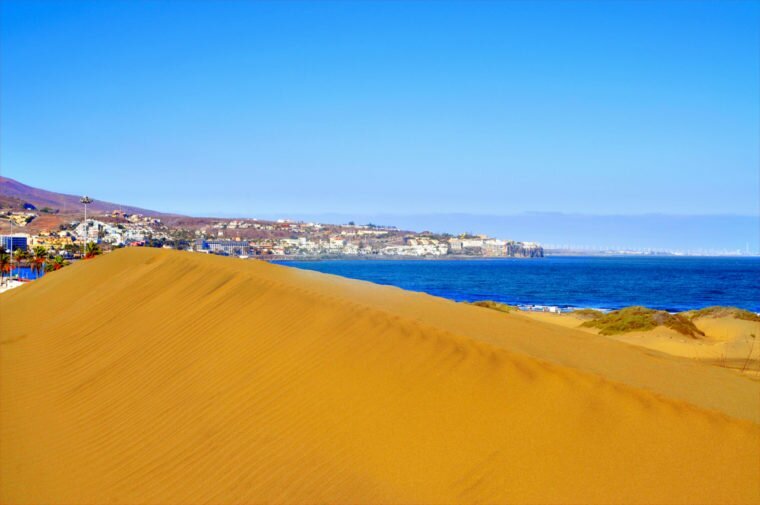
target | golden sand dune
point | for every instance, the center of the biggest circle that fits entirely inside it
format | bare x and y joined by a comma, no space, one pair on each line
151,376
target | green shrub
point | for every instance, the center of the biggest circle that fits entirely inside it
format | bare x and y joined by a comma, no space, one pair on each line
719,311
501,307
588,313
642,319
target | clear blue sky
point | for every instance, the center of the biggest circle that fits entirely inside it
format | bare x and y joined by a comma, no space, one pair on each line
304,108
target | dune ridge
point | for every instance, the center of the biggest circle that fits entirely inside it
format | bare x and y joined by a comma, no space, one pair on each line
150,376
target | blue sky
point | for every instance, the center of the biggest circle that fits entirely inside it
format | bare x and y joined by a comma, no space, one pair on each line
310,108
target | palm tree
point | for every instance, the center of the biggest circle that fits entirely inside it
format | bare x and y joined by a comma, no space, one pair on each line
5,261
38,262
57,263
20,255
91,250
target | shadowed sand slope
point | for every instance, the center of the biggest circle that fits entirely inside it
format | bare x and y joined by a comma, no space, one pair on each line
151,376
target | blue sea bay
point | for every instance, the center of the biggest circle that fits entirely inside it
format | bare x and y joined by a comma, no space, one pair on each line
665,283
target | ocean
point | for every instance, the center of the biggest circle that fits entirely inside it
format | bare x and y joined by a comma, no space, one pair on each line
660,282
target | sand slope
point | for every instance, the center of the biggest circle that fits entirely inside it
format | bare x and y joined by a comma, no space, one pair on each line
151,376
728,342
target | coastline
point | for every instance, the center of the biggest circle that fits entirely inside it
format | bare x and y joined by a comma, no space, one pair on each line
534,303
672,284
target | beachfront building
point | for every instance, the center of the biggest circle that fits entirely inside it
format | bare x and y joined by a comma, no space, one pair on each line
460,245
415,250
494,247
15,241
227,247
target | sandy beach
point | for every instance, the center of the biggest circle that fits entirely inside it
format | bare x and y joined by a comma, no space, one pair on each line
155,376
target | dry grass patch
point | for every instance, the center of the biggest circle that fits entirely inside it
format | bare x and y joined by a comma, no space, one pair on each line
501,307
588,313
717,311
638,318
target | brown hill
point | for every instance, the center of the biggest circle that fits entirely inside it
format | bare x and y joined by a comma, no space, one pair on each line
152,376
14,194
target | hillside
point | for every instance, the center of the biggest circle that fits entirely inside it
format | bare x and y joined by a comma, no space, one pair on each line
13,194
168,377
55,212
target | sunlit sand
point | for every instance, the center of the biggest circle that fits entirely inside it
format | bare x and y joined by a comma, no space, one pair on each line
151,376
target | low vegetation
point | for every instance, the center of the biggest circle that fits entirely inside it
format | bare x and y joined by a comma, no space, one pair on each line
56,264
719,311
588,313
501,307
38,260
638,318
91,250
5,261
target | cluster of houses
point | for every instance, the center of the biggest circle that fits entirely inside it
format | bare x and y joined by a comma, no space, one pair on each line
19,219
112,234
343,245
298,228
281,225
281,238
135,231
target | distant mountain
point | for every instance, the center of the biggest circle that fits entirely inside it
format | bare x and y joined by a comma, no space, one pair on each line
14,194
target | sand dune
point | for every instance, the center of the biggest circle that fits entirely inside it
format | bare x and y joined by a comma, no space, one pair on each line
151,376
728,342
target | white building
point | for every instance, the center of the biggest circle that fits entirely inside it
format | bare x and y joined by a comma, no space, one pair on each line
98,231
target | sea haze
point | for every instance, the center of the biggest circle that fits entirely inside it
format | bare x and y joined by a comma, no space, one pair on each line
666,283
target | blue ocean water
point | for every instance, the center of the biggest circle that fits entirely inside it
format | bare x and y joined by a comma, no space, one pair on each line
665,283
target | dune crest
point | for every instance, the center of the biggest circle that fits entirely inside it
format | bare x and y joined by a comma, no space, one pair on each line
150,376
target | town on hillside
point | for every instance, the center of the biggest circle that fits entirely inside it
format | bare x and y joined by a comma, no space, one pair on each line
66,225
281,239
